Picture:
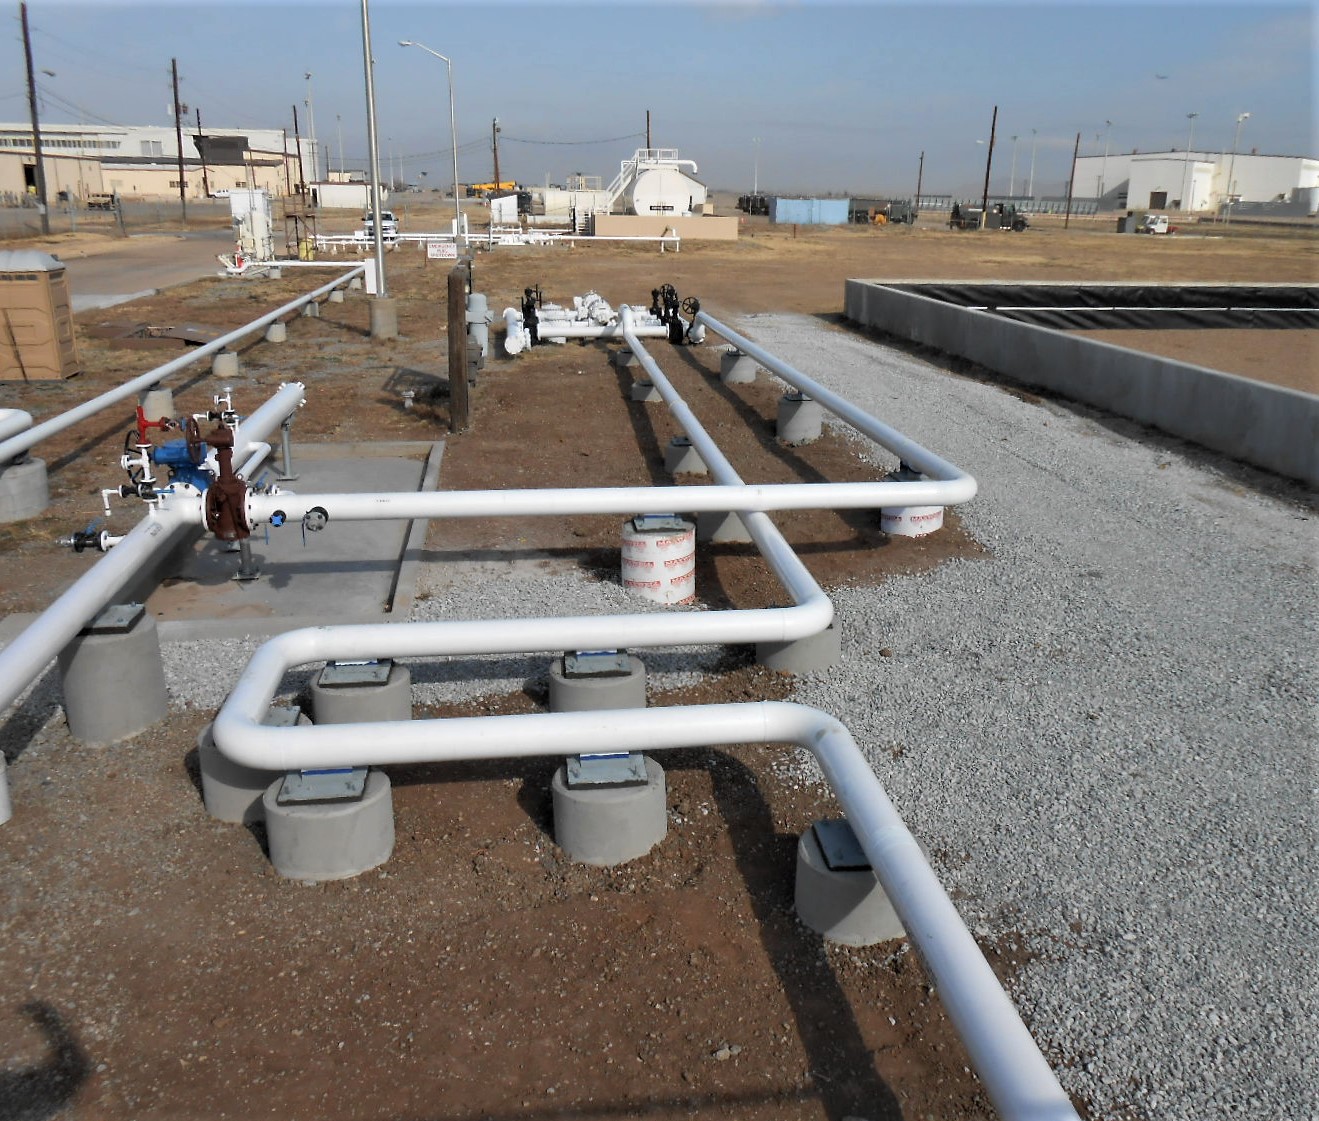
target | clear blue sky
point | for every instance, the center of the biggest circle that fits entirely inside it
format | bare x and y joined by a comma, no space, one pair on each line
842,97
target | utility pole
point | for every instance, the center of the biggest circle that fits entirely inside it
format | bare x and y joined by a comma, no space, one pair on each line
39,170
989,160
494,142
920,174
178,140
206,182
338,123
1030,187
297,143
1071,182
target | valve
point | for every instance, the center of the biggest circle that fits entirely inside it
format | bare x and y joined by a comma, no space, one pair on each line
90,538
315,519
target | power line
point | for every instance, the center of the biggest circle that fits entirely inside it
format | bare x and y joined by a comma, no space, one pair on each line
573,143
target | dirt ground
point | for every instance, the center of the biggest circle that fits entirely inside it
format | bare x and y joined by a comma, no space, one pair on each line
156,967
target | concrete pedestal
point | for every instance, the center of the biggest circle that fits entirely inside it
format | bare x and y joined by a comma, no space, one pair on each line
625,358
597,691
112,677
224,364
230,791
24,490
817,651
721,528
736,368
274,274
330,840
337,700
645,391
336,297
157,402
384,318
355,285
846,906
800,419
311,310
277,333
605,826
680,458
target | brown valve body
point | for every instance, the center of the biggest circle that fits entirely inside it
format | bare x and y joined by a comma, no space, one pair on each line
226,498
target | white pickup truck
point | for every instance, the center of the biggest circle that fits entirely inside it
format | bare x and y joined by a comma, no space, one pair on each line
388,227
1155,224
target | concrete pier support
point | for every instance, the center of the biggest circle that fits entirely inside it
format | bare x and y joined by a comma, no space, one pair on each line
331,840
353,694
112,676
576,685
230,791
800,419
680,458
609,825
24,490
224,364
157,402
836,892
336,297
817,651
736,368
721,528
645,391
311,310
277,333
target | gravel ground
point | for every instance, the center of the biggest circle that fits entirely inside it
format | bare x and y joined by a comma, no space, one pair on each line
1105,735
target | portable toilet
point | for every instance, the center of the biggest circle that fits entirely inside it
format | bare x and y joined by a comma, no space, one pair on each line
36,318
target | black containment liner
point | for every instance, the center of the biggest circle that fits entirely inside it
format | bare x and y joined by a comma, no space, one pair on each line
1162,307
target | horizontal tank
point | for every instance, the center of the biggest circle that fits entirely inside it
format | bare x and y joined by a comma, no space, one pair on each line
664,191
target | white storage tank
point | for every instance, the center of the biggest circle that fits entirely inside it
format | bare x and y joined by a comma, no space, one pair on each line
665,191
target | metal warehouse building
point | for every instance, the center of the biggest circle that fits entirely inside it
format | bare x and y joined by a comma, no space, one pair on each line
143,161
1197,182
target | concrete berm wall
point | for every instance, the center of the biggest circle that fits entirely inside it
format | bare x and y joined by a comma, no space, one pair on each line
1261,424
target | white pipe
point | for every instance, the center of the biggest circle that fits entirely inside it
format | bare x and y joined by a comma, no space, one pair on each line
165,523
12,422
1016,1076
890,438
558,502
15,445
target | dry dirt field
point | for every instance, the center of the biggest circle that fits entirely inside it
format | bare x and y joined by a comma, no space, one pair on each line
157,968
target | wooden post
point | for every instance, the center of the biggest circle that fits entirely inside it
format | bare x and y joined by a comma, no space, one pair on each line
459,409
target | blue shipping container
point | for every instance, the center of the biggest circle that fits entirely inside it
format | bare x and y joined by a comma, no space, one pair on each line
809,212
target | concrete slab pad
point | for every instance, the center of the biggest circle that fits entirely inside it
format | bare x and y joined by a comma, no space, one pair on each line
347,572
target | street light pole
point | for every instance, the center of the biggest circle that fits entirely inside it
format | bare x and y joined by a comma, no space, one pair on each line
1030,187
373,152
1012,175
1232,167
453,131
755,174
1103,167
1188,188
311,124
338,123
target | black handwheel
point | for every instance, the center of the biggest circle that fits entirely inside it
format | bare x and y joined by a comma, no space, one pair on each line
691,305
192,433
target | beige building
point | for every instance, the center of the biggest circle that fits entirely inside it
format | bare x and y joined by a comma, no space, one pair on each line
141,162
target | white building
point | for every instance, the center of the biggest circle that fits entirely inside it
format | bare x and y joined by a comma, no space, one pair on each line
142,161
1198,181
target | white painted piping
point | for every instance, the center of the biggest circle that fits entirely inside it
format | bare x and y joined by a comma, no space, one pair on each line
384,505
24,659
902,446
12,422
1016,1076
17,444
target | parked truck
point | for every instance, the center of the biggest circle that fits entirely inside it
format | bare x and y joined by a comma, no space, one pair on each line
1002,216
